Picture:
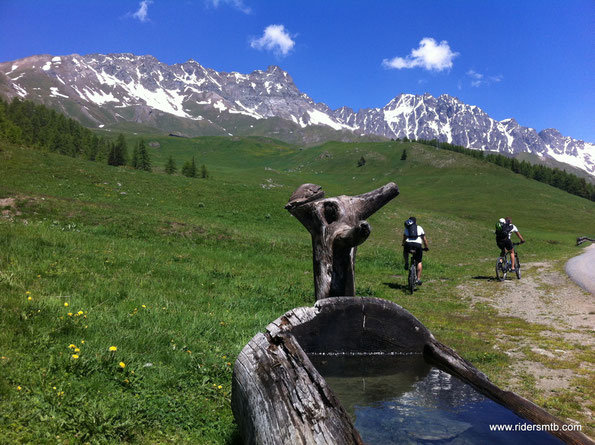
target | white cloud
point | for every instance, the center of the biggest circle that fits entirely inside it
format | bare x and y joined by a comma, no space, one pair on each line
143,11
430,56
475,75
275,38
478,79
238,4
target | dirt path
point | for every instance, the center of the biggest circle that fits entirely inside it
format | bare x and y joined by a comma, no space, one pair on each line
550,359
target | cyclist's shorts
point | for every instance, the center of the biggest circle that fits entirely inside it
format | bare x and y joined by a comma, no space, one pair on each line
416,247
504,244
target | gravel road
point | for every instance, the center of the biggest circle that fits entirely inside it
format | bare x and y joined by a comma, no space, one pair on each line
581,269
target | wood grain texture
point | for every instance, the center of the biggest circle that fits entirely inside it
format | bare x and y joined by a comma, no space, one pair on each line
278,396
337,226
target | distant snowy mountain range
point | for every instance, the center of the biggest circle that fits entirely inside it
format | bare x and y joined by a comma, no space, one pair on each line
189,99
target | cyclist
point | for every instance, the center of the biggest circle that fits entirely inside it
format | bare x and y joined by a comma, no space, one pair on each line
413,237
504,230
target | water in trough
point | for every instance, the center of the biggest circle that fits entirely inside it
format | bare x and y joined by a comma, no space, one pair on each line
401,399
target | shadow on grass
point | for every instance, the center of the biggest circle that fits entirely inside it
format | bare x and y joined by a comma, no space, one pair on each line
482,277
398,286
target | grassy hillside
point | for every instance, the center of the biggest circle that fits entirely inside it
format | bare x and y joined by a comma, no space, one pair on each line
178,274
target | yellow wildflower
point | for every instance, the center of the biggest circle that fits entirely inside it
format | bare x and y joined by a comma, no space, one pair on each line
77,350
75,356
19,388
28,293
144,306
65,304
220,387
71,346
122,365
113,348
82,342
70,314
29,298
80,313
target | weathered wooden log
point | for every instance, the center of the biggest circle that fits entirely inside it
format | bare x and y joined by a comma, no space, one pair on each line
583,239
337,226
453,363
278,396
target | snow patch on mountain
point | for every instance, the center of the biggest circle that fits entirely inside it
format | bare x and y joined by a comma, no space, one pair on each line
55,93
100,84
98,97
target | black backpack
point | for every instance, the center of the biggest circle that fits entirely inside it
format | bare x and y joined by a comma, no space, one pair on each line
503,230
411,226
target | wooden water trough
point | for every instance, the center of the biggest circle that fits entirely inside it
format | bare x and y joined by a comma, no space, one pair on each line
278,396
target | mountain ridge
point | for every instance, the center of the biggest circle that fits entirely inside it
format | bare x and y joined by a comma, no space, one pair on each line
188,98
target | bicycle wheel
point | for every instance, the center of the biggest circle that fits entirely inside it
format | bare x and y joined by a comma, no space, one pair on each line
412,277
518,268
500,270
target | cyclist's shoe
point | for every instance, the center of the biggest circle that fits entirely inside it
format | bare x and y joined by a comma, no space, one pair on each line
418,282
406,267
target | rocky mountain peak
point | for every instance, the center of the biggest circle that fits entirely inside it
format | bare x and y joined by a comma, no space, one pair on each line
101,90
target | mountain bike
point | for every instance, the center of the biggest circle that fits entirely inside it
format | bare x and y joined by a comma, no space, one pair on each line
412,278
504,265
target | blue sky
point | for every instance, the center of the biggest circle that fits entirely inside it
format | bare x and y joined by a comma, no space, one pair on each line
531,60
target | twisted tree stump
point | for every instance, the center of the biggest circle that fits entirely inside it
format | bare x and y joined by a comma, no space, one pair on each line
337,225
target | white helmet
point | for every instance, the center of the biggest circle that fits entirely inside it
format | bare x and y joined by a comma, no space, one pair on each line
502,220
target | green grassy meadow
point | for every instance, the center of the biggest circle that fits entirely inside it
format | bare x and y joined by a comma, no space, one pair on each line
178,274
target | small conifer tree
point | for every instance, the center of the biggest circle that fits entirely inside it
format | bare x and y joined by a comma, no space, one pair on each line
170,166
204,173
144,160
404,154
189,168
119,152
134,159
111,157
